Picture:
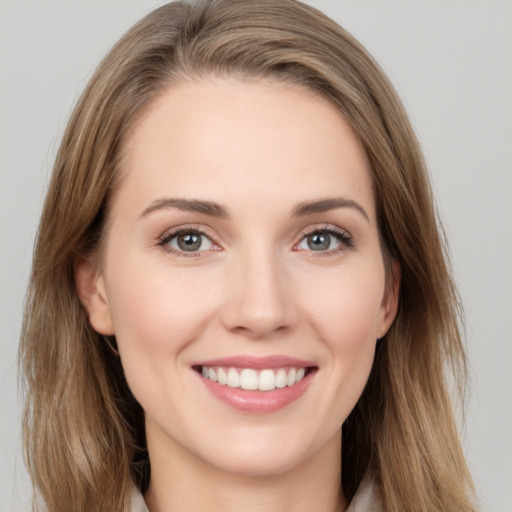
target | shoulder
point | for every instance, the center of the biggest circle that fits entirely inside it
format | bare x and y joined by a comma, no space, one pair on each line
366,499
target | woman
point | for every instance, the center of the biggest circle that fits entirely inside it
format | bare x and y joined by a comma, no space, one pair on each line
239,281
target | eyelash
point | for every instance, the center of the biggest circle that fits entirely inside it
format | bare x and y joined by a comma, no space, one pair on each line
170,235
345,239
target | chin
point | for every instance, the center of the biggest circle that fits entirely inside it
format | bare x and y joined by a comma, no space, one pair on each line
267,455
260,465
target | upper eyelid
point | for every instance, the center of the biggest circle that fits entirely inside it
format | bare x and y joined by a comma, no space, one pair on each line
206,229
174,231
324,227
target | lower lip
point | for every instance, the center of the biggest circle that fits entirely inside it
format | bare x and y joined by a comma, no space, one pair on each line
258,401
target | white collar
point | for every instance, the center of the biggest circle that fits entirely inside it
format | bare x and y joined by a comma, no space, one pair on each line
138,503
366,499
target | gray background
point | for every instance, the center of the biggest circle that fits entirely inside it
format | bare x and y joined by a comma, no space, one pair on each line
450,60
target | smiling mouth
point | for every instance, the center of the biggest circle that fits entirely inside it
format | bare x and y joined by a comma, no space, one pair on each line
250,379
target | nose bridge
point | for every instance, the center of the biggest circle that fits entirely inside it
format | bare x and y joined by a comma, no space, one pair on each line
259,301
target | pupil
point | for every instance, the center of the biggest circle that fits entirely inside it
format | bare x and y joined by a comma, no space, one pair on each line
189,242
319,241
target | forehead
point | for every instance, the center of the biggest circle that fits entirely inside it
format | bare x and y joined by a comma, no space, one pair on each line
239,140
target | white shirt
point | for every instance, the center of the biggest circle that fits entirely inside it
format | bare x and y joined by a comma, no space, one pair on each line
366,499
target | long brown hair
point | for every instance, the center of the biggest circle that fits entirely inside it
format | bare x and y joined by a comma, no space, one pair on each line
83,430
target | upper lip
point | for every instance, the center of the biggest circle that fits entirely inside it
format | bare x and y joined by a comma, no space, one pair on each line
257,363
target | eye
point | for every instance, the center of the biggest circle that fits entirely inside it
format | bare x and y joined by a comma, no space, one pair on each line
187,241
323,240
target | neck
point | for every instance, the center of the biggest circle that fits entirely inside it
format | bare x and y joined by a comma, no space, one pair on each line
181,481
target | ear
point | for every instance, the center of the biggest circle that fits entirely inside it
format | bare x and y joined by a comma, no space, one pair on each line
390,300
91,290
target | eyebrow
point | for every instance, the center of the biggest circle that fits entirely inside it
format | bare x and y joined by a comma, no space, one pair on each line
188,205
216,210
324,205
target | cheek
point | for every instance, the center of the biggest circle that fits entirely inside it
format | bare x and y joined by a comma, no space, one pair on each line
155,311
346,317
346,306
157,314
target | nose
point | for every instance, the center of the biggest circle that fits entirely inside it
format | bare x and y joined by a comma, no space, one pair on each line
259,296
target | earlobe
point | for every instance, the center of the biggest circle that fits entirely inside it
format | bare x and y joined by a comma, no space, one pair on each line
390,300
91,291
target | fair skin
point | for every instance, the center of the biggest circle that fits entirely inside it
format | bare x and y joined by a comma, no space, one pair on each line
276,268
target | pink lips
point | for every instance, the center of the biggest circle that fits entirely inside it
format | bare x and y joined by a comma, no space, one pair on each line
258,401
257,363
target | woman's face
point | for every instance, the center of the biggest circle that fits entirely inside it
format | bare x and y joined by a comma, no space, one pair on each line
243,250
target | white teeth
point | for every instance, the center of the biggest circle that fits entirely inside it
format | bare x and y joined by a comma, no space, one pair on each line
267,380
290,378
280,378
233,379
221,376
250,379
